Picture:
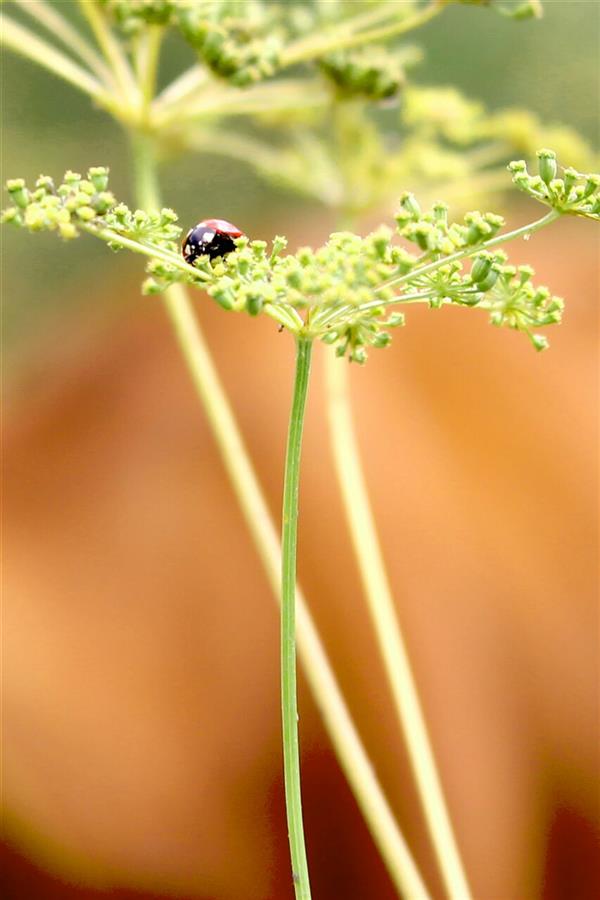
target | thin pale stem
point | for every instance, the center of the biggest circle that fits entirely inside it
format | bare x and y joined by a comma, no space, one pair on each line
145,249
387,628
111,50
289,701
147,59
309,48
230,101
181,89
345,739
23,41
58,26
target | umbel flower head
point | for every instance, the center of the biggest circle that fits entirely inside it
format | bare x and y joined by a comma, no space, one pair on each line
350,291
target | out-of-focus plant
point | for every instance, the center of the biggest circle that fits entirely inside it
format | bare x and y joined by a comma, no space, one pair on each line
307,76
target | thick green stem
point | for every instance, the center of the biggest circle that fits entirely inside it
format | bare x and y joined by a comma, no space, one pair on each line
289,703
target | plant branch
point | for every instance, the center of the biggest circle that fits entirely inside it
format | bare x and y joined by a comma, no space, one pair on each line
146,249
112,51
181,88
263,97
289,702
393,648
307,48
66,34
523,231
146,60
25,42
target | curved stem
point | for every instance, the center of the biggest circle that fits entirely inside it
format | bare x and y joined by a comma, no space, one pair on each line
346,741
387,628
289,702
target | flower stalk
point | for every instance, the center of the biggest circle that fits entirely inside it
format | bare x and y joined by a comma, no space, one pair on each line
289,702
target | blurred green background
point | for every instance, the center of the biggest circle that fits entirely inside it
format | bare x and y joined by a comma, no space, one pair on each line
549,66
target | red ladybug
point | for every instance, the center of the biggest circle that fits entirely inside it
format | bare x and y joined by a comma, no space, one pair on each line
211,237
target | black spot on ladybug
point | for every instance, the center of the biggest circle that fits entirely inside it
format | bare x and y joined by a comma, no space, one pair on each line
211,237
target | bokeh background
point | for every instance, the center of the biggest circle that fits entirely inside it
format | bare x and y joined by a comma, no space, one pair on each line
141,707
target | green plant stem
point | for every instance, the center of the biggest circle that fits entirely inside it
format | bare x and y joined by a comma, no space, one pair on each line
308,49
391,642
145,249
28,44
146,58
57,25
111,50
289,703
345,739
225,100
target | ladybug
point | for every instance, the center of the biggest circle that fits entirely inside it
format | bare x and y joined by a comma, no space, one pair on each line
211,237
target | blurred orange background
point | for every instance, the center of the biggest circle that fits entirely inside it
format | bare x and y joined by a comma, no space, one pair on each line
141,701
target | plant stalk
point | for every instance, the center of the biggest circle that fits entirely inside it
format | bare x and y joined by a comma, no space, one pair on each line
23,41
346,741
289,702
391,642
308,48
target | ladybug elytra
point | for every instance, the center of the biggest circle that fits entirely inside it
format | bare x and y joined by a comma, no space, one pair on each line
211,237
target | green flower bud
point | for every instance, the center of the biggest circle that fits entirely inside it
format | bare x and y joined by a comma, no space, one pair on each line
254,304
539,342
382,339
547,165
396,320
18,192
489,281
67,231
224,297
440,213
278,245
12,214
35,219
98,175
409,203
481,268
359,355
86,213
45,184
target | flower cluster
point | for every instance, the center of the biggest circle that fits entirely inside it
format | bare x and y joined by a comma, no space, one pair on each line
243,48
132,15
84,203
374,73
77,201
342,292
573,193
433,233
